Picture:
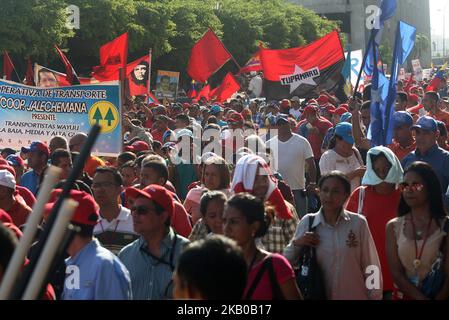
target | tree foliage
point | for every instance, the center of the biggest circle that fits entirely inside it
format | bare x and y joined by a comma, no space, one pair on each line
169,27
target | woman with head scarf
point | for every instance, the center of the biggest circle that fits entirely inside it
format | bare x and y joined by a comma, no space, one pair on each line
253,175
378,201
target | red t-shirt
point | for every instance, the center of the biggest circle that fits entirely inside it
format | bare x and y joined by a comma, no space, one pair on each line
264,291
378,210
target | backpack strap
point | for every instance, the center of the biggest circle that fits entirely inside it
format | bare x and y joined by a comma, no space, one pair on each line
277,292
362,191
256,281
311,219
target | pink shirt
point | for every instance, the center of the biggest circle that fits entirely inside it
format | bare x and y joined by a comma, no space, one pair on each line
282,270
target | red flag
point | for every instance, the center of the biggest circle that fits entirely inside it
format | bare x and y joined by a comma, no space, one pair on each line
113,56
228,87
207,56
71,75
298,71
29,77
137,74
9,72
205,92
253,64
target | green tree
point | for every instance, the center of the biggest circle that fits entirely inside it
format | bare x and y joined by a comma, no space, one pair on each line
109,117
97,116
422,44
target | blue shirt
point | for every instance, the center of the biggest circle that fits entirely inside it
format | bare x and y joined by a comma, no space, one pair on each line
30,180
101,275
439,160
151,279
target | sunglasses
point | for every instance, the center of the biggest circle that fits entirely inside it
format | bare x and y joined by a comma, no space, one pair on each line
413,187
140,210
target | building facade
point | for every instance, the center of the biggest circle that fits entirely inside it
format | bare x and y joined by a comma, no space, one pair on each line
353,15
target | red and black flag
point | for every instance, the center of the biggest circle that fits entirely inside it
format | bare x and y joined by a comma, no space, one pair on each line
299,71
71,75
9,71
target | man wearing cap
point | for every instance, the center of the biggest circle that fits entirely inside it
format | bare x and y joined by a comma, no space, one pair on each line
115,228
427,150
18,164
160,127
403,141
92,272
292,153
138,146
10,201
154,171
313,128
152,258
38,154
58,142
285,106
217,112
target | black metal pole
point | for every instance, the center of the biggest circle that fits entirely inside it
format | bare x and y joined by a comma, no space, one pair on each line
24,278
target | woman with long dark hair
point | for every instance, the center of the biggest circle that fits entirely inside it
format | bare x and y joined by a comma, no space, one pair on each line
414,238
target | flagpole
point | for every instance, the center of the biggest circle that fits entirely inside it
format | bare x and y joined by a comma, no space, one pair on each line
365,56
150,53
122,77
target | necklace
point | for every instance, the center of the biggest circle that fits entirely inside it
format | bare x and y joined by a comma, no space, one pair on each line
418,255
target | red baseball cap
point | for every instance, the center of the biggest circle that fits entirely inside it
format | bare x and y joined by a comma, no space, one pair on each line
156,193
415,109
310,109
236,117
37,146
322,100
413,97
329,108
138,146
87,212
340,111
285,104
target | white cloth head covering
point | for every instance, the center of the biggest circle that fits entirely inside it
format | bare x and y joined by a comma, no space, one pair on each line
394,175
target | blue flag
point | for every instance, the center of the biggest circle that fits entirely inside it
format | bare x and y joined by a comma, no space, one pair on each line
405,41
387,10
379,95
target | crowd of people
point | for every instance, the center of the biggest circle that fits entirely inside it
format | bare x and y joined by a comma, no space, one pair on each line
223,201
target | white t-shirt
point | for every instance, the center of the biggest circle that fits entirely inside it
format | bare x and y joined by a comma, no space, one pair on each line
331,160
290,159
255,86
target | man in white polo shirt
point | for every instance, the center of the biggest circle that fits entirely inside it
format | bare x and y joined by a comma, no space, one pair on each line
292,153
115,228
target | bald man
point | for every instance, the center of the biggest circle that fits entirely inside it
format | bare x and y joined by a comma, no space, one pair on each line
58,142
92,162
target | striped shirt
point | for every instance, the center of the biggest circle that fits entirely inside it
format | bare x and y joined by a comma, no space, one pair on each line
151,277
